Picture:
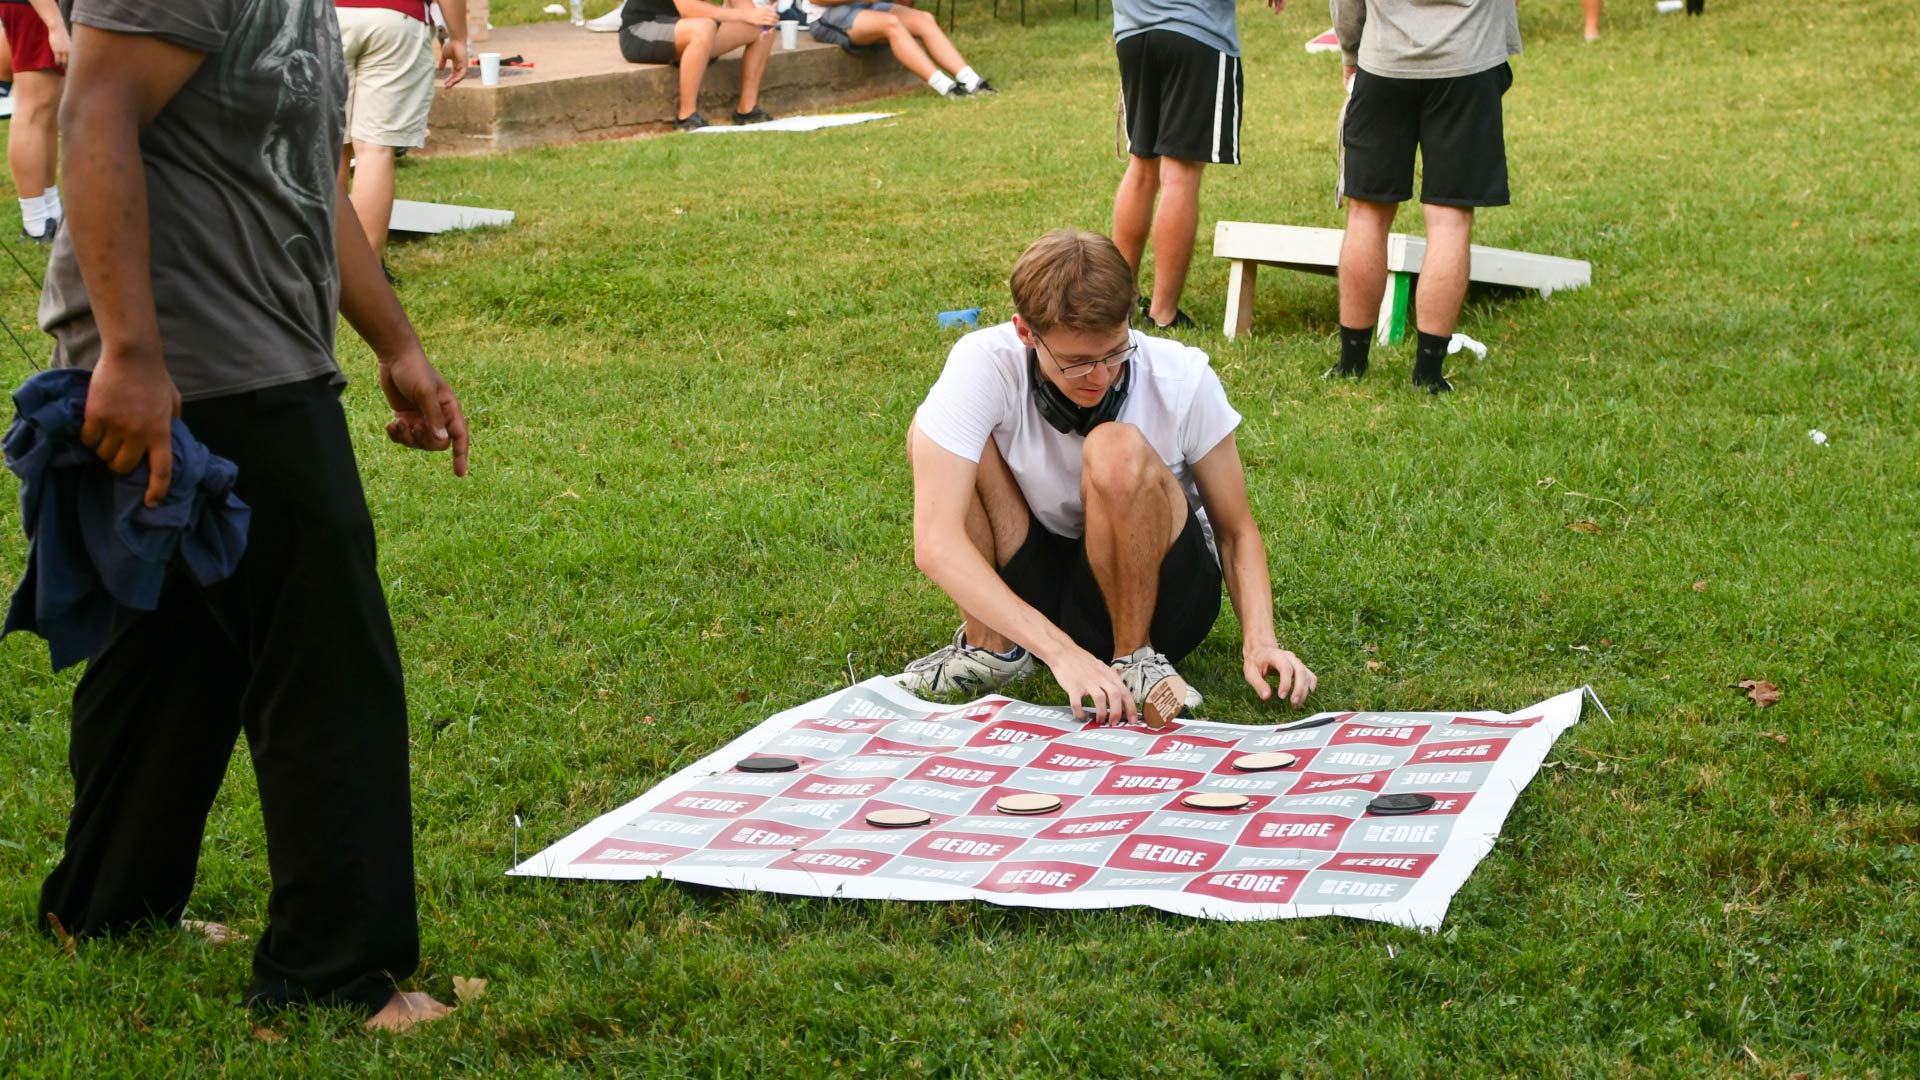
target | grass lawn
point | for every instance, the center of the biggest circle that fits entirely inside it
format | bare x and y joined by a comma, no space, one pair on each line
690,363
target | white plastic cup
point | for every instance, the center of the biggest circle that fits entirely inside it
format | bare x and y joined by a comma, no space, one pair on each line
490,68
1667,7
789,34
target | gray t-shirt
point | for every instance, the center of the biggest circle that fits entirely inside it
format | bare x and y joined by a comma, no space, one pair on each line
240,171
1208,21
1426,39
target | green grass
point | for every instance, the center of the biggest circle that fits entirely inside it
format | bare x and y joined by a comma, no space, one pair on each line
690,363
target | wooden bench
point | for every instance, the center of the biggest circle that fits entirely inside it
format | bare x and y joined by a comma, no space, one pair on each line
1317,251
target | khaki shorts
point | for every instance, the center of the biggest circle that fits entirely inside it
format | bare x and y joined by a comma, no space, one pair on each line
390,76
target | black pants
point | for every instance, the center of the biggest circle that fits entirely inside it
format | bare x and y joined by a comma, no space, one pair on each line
297,650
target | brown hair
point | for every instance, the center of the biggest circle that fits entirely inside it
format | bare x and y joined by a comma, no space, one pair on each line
1073,279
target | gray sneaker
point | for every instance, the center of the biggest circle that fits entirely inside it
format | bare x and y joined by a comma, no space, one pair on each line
962,667
1158,689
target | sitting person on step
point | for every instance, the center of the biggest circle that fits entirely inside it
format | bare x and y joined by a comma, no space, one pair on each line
690,33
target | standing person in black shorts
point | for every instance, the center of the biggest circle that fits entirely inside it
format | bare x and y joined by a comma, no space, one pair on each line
1180,95
1429,76
691,34
1078,494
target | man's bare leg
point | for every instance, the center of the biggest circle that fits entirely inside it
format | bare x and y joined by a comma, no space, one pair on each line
1135,511
1133,208
372,193
1591,9
406,1010
1363,261
1174,224
997,524
1443,272
33,135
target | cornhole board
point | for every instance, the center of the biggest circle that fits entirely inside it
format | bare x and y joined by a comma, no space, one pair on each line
425,217
1317,251
1328,42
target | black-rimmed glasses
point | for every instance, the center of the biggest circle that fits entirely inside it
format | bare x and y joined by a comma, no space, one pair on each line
1075,368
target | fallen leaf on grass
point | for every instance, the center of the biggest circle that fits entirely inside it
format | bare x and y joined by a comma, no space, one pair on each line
742,698
1375,665
468,990
1700,586
268,1035
1775,736
1587,527
1374,649
646,719
1761,691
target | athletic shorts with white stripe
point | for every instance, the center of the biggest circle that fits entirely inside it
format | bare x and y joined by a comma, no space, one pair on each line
1181,98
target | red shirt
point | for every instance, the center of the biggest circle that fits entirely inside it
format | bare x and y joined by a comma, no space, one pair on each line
415,8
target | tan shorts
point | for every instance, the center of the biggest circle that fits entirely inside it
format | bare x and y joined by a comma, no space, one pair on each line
390,76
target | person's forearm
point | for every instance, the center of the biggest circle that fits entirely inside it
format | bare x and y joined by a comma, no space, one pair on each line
1243,562
454,14
966,577
105,174
366,299
49,12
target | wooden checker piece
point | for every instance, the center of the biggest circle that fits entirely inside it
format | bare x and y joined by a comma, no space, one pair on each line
767,764
1277,759
902,818
1035,803
1215,800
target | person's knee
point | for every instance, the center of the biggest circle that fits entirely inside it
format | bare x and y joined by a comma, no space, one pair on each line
1175,172
1361,211
701,31
1447,219
1114,459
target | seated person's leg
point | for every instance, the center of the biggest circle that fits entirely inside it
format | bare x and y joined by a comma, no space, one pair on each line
758,44
925,26
694,46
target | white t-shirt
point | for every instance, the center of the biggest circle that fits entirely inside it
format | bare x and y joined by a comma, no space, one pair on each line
1175,400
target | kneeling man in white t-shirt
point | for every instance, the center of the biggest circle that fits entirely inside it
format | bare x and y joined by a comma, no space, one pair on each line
1077,492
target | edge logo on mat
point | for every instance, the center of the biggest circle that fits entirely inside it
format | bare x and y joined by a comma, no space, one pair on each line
1146,851
1190,742
1013,731
715,804
964,847
1036,877
1315,832
1407,865
1094,852
755,833
979,712
843,725
962,773
1464,753
1351,757
1315,783
837,787
833,861
1346,888
1249,886
1076,758
632,853
889,748
1087,827
1380,734
1145,780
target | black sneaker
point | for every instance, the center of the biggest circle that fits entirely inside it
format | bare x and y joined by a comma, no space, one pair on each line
956,91
693,122
982,87
757,115
1436,384
45,237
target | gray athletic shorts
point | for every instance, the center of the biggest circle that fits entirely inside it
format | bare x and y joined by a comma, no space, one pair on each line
835,22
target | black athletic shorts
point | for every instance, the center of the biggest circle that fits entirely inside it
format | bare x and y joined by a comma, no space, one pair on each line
1180,97
1052,573
649,41
1455,123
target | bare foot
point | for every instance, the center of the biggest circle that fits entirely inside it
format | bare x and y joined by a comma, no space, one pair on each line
404,1010
215,933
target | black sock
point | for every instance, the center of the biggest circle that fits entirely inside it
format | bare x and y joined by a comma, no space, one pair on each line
1353,350
1429,355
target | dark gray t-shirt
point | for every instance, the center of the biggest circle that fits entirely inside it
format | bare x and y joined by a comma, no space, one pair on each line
240,170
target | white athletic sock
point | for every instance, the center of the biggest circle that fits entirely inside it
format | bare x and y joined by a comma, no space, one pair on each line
54,209
33,215
969,78
940,82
